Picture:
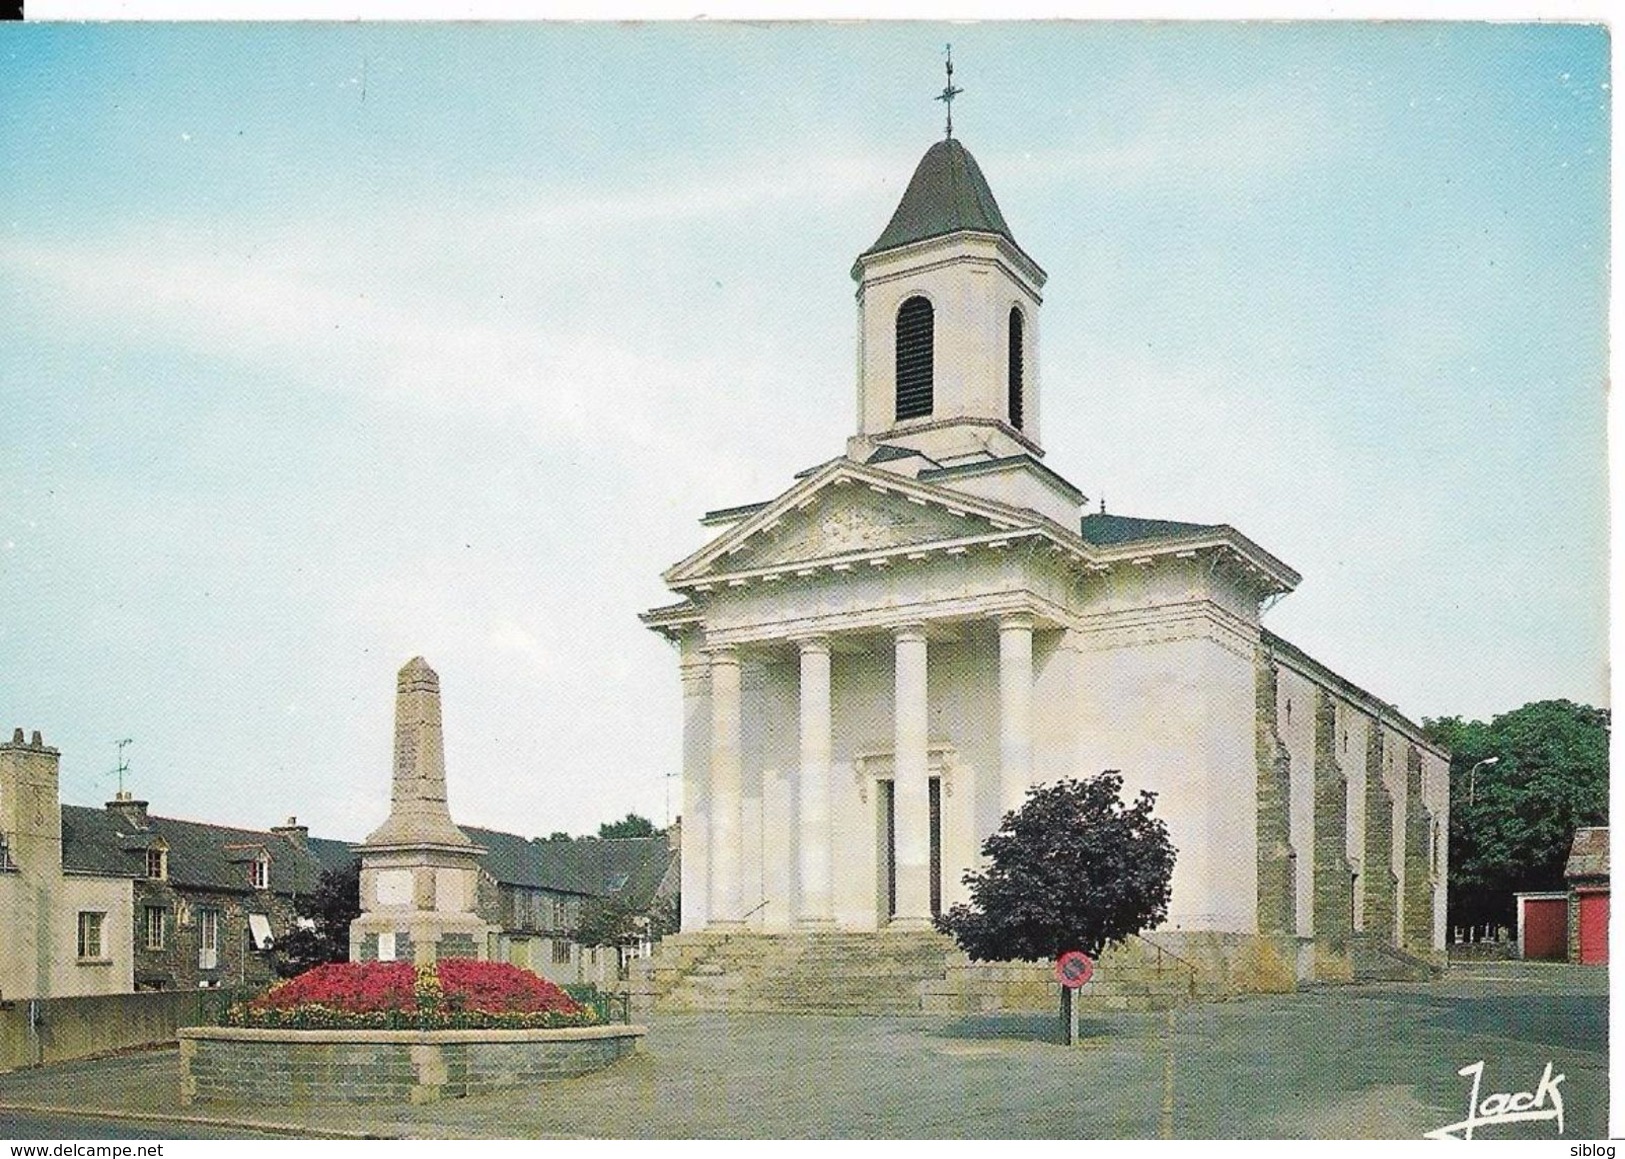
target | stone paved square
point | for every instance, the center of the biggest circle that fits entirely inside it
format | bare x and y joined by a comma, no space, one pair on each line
1336,1062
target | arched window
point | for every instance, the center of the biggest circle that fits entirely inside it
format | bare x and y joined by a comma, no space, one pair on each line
1016,349
915,340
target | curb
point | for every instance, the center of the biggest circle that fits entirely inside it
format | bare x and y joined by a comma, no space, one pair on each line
289,1129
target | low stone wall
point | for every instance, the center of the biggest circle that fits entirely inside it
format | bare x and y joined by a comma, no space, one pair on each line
1135,975
240,1064
35,1032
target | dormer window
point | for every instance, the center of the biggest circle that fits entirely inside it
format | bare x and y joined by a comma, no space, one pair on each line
1015,365
916,325
259,872
158,863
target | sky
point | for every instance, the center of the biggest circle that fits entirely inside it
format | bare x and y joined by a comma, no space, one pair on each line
324,346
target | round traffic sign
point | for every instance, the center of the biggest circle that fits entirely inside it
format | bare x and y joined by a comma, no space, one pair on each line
1074,968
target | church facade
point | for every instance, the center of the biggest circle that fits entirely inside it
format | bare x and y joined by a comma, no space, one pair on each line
878,663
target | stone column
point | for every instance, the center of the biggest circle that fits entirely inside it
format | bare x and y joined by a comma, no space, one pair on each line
695,806
817,901
911,791
726,772
1015,709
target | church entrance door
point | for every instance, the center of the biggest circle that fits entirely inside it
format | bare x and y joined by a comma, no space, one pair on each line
886,827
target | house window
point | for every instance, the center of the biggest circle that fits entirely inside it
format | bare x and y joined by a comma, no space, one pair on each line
90,935
259,872
915,355
561,952
157,864
156,919
5,854
1016,367
208,954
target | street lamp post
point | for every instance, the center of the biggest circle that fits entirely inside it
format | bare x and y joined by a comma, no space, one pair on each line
1472,778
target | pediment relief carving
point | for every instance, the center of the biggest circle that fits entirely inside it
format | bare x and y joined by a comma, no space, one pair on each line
845,521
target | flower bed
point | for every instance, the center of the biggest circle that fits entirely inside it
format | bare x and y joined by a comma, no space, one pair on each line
454,994
392,1032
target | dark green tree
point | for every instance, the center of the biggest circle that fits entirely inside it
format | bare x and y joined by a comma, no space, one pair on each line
335,903
631,826
1073,869
1512,821
608,921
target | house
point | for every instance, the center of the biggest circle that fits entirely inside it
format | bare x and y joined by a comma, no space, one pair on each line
210,901
66,919
1570,924
538,892
1587,876
115,899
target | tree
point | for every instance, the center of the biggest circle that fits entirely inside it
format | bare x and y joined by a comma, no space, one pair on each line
1072,869
335,903
1512,822
608,921
631,826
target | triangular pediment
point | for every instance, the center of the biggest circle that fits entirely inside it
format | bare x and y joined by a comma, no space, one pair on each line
841,511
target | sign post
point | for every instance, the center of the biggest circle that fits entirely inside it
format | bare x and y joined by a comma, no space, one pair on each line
1072,970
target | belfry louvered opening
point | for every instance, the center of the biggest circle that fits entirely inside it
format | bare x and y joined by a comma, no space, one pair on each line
915,342
1015,366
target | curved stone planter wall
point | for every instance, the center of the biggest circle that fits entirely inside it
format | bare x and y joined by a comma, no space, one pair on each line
238,1064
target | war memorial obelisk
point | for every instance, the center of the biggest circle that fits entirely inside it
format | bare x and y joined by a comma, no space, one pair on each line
418,870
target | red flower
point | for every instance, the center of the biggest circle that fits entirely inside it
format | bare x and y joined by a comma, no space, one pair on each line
359,987
389,987
497,987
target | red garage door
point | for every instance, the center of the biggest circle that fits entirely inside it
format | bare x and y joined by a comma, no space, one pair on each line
1594,928
1546,928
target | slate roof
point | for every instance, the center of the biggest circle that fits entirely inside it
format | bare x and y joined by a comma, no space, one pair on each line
201,856
946,194
1588,857
330,854
514,860
588,866
216,857
1104,530
887,452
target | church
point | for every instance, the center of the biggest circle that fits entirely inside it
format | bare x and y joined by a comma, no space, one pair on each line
879,662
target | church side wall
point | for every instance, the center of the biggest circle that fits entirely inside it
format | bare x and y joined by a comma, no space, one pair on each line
1368,808
1436,790
1176,717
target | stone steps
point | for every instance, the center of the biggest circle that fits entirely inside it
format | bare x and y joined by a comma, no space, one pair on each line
882,973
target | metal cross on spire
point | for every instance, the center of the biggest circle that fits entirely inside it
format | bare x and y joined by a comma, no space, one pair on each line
950,92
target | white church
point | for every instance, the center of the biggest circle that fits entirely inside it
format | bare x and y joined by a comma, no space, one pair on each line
879,662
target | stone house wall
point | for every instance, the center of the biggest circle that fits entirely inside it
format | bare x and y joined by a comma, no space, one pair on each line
177,966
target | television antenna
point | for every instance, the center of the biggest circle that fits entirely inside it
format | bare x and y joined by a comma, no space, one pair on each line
123,764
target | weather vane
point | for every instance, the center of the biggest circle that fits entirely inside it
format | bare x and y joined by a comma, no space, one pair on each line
950,92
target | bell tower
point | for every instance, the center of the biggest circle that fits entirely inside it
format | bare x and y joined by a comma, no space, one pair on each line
948,323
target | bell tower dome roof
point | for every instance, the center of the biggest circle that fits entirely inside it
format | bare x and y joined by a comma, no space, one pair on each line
947,194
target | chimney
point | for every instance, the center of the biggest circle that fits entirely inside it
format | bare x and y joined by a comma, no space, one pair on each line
126,806
30,812
296,833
